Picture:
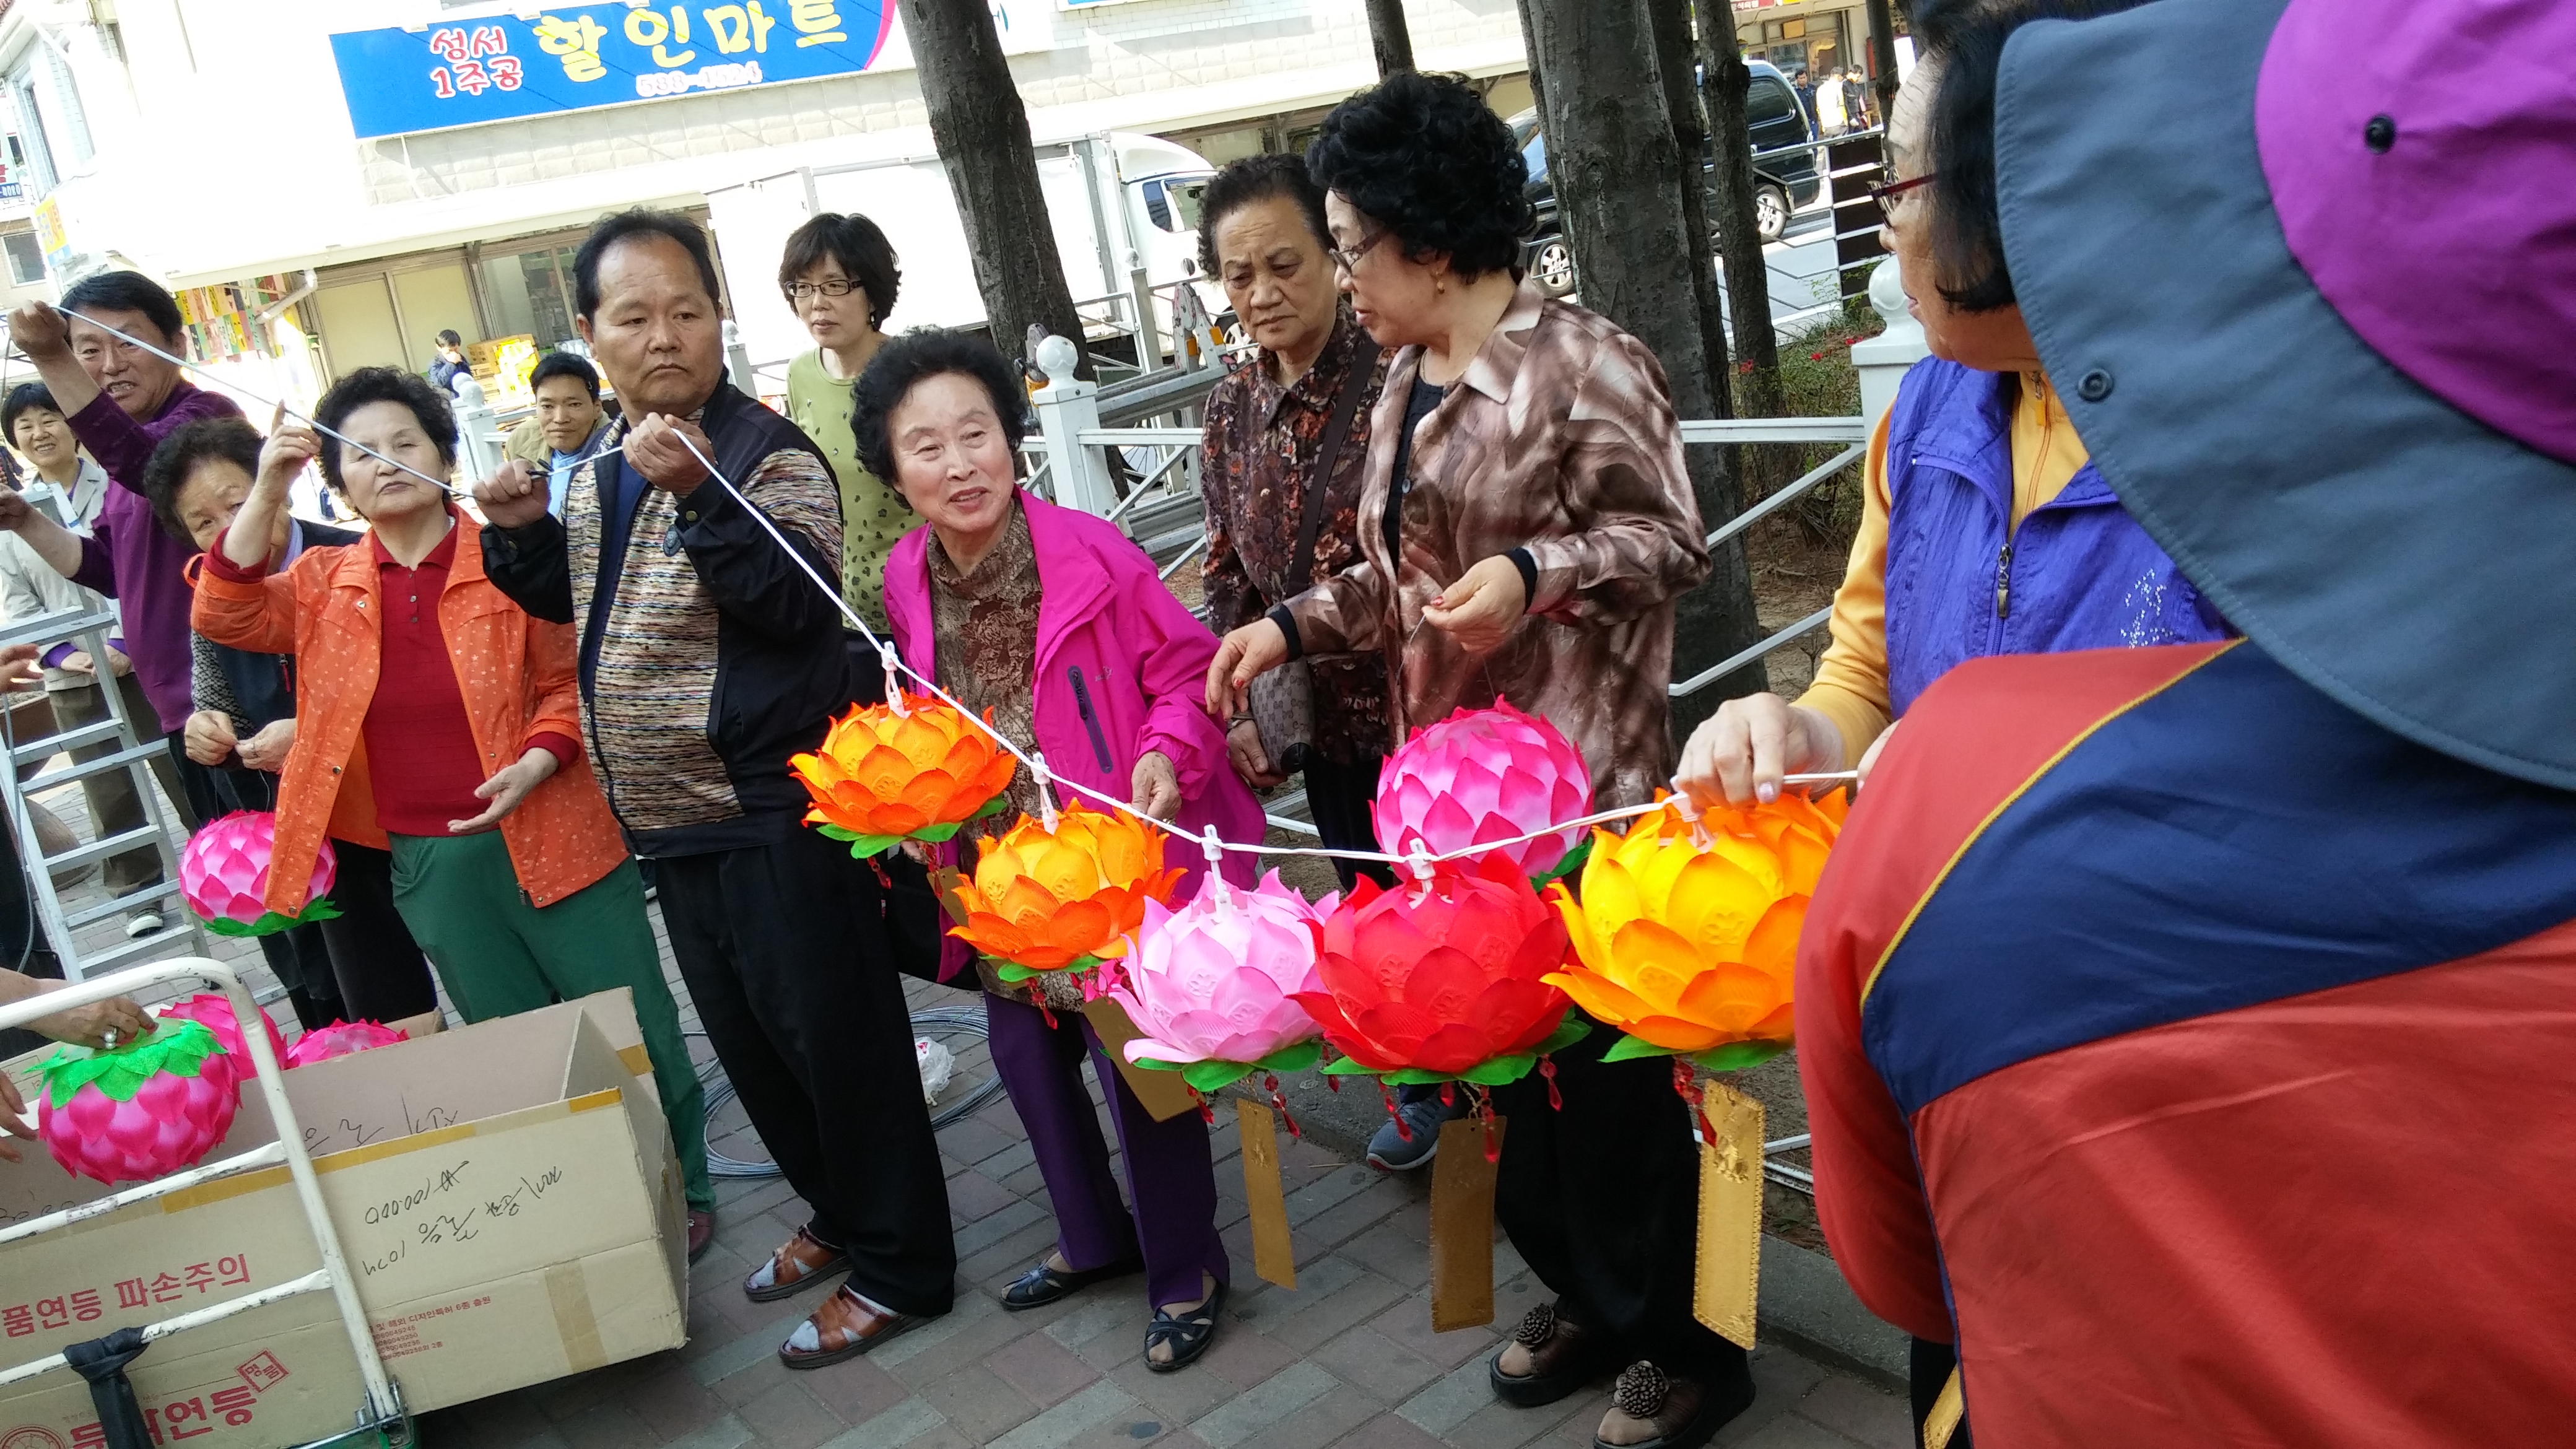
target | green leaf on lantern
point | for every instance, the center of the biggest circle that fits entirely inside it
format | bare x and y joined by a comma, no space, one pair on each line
1572,862
1569,1031
939,834
1349,1067
1418,1077
862,847
1157,1064
1211,1077
1013,973
1735,1056
177,1046
1500,1071
1294,1057
992,807
835,832
270,923
1631,1048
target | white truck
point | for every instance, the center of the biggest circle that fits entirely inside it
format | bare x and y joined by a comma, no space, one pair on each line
1118,201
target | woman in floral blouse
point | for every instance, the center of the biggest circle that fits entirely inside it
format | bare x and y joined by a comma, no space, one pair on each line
1262,234
1526,527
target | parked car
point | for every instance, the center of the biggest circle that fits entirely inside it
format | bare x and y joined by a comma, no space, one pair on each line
1782,183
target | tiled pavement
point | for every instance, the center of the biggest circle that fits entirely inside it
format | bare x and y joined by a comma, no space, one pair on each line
1348,1359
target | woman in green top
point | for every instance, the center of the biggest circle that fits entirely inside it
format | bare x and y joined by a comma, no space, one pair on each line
839,274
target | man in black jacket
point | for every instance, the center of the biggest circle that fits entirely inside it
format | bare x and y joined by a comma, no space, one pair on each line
708,657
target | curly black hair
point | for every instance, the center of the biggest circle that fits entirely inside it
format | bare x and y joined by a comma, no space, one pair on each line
859,245
1965,222
1423,156
914,358
1242,182
180,455
385,385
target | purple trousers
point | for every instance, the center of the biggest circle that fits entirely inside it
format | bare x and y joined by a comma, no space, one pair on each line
1169,1174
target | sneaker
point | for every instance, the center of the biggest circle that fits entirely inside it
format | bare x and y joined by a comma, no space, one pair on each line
1392,1150
143,923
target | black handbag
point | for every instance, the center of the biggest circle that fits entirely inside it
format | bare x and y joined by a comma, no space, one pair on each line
1283,700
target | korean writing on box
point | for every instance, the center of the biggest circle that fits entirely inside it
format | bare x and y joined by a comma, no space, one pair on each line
17,1320
467,72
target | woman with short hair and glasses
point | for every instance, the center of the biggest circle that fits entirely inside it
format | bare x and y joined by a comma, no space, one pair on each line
839,274
1526,525
1984,528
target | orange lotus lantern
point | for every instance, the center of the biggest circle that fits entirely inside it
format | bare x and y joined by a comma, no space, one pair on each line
1066,897
914,770
1686,933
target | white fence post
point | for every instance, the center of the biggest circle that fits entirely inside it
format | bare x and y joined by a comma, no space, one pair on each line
1067,408
1883,360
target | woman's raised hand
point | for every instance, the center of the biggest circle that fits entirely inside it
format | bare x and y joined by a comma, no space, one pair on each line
289,449
1242,657
1481,608
1739,755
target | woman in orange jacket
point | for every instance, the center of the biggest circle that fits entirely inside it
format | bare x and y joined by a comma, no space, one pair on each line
464,714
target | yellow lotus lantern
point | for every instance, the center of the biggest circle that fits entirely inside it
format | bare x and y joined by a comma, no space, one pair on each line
913,770
1046,899
1686,933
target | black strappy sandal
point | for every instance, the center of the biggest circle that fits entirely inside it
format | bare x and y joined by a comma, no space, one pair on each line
1043,1285
1189,1334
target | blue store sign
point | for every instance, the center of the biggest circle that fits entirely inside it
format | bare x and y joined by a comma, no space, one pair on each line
500,68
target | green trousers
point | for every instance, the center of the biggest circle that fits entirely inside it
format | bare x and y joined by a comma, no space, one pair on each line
498,956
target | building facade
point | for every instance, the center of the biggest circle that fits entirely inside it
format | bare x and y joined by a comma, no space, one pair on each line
336,181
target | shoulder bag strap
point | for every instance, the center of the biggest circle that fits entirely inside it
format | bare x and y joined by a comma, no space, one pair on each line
1327,459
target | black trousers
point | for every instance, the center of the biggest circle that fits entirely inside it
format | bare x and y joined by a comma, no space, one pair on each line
789,959
1602,1198
298,956
1340,797
380,969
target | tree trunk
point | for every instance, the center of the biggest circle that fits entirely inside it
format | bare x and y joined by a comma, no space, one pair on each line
1619,177
1388,35
1882,54
1669,24
1726,81
982,132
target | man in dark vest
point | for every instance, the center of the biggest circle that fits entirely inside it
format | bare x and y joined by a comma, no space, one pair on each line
708,657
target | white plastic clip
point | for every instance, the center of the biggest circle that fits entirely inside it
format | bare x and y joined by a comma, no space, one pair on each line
894,679
1046,789
1418,860
1688,809
1215,849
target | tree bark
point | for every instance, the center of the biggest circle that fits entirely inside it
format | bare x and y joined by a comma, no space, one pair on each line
982,132
1388,35
1669,26
1619,177
1882,54
1726,81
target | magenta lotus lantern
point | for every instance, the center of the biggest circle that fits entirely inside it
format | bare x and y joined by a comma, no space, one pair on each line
339,1039
144,1110
1209,985
1485,775
224,875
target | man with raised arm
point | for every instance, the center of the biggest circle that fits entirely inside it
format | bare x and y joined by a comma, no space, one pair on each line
708,657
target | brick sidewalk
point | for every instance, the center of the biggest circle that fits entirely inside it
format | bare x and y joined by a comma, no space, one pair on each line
1349,1359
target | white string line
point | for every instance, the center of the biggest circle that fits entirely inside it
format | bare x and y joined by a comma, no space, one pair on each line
440,483
1037,767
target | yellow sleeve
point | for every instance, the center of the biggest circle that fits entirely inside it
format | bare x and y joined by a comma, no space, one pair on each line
1850,687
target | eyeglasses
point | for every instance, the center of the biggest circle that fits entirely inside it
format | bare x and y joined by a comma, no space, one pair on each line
1883,194
828,287
1348,258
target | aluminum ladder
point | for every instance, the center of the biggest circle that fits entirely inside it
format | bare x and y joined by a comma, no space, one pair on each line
135,750
381,1413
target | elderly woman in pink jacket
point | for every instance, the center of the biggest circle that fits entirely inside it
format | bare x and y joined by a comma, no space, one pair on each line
1055,622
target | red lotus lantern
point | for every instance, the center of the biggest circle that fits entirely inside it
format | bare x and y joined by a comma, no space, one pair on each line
1443,980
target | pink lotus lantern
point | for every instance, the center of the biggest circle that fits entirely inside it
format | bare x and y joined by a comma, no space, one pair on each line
339,1039
1208,985
224,875
214,1012
141,1111
1481,775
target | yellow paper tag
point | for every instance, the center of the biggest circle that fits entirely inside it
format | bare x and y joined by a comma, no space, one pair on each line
1462,1227
1162,1094
1730,1216
1947,1411
1272,1256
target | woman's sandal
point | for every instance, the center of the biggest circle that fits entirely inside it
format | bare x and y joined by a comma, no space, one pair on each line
1045,1284
1188,1333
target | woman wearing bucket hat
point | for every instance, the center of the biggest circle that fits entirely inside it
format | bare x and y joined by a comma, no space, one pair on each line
1985,528
2189,1031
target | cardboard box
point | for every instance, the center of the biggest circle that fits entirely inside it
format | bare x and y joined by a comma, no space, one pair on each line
506,1196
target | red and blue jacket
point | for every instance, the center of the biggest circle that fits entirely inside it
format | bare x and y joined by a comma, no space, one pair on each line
2201,1058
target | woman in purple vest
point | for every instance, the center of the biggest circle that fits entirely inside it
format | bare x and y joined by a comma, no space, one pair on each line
1985,529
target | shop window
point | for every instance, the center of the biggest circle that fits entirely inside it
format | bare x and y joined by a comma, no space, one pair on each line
26,258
